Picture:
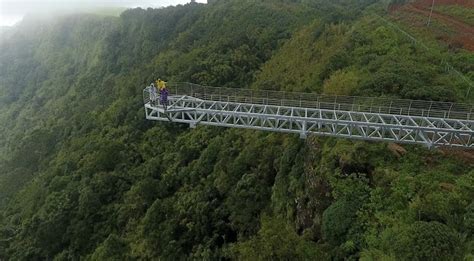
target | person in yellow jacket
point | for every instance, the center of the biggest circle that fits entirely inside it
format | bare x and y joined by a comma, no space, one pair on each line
163,93
160,84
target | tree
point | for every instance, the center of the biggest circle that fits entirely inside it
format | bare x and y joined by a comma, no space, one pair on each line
469,220
428,241
276,240
341,82
113,248
338,220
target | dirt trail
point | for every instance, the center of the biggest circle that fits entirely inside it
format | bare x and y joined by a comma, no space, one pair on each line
464,31
460,26
465,155
465,3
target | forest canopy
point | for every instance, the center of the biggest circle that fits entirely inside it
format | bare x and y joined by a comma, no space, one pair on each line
83,175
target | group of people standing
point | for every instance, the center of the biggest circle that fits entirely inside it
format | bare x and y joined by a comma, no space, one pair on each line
159,88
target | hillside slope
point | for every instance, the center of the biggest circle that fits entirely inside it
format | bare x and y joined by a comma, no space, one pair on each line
450,22
84,176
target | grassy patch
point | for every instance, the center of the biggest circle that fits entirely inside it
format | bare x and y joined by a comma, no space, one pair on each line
459,12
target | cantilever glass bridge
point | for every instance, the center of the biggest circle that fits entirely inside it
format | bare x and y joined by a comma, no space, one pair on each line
430,123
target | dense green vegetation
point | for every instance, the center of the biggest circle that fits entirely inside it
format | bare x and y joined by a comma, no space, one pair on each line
83,175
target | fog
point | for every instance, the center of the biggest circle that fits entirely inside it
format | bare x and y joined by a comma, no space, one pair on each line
12,11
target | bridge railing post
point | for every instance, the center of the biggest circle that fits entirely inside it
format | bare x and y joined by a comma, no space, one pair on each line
409,108
449,111
146,95
429,109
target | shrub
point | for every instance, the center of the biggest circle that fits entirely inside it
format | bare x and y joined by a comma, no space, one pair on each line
337,220
428,241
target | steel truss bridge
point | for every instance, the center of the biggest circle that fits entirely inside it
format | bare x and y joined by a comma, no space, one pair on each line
430,123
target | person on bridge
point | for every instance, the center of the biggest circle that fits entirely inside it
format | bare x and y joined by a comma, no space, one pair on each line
153,94
163,93
160,84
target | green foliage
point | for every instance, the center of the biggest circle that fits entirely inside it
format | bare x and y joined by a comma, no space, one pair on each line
428,241
374,255
113,248
84,176
341,83
458,11
337,220
276,240
469,220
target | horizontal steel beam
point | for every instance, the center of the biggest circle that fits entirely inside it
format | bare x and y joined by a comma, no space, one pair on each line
428,131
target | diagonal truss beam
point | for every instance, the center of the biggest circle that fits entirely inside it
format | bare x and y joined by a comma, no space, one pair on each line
428,131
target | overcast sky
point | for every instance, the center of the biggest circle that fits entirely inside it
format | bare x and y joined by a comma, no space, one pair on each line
12,11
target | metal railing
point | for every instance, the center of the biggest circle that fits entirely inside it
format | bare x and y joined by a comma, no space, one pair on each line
407,107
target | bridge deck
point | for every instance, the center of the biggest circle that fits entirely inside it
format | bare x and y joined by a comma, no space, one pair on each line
401,121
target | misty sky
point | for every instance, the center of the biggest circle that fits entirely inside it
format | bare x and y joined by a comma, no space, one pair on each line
12,11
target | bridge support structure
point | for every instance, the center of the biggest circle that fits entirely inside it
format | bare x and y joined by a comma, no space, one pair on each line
371,126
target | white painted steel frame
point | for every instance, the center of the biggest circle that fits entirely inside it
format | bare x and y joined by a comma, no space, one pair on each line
428,131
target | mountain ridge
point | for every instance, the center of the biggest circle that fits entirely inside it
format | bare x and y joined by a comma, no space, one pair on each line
84,176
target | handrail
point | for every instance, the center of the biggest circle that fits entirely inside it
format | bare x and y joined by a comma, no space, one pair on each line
408,107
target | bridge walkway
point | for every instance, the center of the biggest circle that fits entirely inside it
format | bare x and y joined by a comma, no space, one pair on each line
428,123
